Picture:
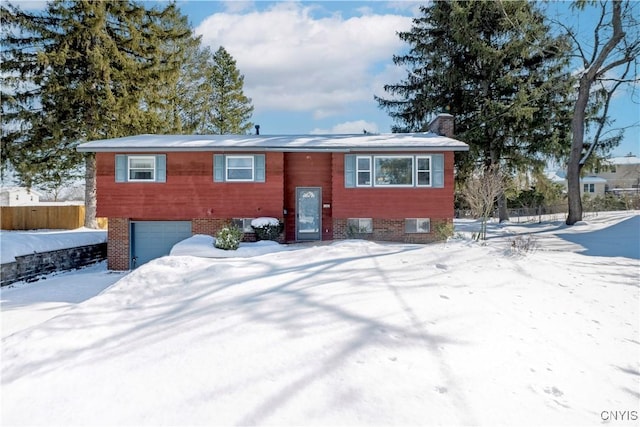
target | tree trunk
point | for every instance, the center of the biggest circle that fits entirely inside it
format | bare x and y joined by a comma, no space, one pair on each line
503,212
90,192
577,143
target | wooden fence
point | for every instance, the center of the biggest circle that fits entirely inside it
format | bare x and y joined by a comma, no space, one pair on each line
63,217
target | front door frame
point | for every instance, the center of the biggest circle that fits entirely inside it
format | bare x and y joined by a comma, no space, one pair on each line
309,236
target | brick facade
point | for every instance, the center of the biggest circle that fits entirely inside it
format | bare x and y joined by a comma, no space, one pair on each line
118,251
389,230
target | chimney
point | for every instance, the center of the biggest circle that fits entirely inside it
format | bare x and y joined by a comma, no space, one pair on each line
257,129
442,125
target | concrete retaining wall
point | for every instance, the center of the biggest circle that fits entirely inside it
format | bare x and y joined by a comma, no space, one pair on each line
27,267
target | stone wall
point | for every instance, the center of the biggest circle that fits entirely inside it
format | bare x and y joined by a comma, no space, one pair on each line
28,267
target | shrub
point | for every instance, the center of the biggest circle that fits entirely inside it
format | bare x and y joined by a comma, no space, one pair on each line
229,238
443,230
523,244
266,228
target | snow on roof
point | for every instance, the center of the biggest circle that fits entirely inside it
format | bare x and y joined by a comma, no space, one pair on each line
626,160
593,179
330,143
19,189
561,176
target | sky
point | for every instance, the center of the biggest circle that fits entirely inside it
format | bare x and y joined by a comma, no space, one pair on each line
315,66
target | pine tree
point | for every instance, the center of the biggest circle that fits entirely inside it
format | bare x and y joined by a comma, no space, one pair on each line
230,109
81,71
496,67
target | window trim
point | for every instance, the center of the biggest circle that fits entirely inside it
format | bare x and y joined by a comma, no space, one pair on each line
393,156
358,170
251,168
131,158
417,221
123,168
245,228
418,170
366,229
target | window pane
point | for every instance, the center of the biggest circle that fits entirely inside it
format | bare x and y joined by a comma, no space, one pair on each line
240,162
423,164
424,178
244,174
138,174
364,178
393,171
417,225
363,163
141,163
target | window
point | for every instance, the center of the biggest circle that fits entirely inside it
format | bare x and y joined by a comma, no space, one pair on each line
423,171
393,171
239,168
589,188
363,165
359,225
148,168
245,168
243,224
417,225
142,168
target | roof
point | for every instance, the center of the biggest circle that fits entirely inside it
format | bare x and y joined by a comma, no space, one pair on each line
593,179
561,176
291,143
626,160
19,189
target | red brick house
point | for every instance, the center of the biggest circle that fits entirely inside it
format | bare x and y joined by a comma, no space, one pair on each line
156,190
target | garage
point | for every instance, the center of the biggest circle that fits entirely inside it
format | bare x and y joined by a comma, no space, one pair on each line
153,239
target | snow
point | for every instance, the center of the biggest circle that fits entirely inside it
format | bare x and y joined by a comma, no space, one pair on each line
16,243
377,142
348,333
202,245
264,222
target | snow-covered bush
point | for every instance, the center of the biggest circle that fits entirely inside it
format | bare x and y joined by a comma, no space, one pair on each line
229,238
266,228
523,244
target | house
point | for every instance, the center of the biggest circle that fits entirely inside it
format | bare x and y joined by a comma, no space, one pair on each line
18,196
156,190
622,174
589,185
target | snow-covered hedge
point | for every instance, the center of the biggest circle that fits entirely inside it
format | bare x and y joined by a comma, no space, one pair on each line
266,228
229,238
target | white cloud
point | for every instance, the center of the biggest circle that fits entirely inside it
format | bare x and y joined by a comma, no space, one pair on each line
357,126
235,6
31,4
294,61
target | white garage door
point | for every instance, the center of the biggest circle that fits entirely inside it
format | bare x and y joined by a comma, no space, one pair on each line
153,239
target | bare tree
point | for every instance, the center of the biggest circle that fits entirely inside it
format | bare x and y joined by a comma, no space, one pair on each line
609,60
481,193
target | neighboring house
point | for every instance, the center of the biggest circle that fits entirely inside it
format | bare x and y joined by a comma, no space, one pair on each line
156,190
622,174
591,186
18,196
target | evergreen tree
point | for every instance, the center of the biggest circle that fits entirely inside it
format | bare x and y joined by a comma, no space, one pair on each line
230,109
497,68
81,71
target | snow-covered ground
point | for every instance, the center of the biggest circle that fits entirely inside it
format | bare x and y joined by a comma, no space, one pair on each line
348,333
16,243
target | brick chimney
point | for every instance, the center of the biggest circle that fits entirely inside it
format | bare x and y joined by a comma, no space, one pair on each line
442,125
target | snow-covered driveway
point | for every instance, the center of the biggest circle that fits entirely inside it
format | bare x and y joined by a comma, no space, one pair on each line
349,333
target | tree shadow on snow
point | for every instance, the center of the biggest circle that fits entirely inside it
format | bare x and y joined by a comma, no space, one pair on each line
619,240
